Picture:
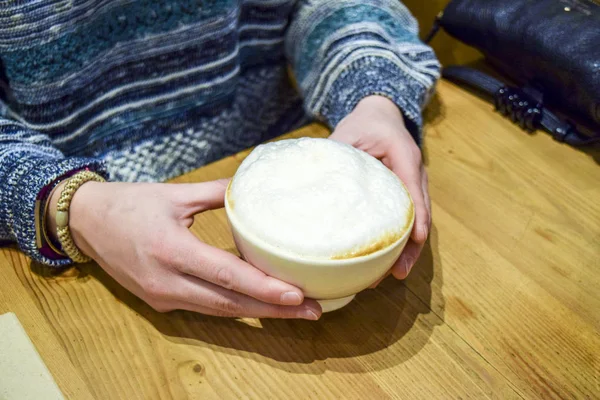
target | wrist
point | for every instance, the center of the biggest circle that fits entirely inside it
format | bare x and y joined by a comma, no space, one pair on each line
80,215
380,104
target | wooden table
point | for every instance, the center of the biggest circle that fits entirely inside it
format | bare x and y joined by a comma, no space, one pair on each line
504,303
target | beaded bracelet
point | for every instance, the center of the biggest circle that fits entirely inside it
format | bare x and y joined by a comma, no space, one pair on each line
46,239
42,240
62,214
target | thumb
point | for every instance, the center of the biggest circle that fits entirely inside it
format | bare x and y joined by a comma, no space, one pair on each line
199,197
345,134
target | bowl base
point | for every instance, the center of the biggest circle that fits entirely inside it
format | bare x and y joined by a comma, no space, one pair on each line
335,304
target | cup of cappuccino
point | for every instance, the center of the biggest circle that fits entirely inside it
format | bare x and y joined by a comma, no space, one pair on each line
320,215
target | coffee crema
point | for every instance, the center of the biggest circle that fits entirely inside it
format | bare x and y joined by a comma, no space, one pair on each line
318,198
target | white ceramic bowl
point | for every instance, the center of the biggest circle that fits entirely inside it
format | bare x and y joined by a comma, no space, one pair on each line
332,282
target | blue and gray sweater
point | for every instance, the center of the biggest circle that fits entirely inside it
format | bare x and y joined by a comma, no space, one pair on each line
145,90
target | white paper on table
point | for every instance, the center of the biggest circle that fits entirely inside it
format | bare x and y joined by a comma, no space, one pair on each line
23,374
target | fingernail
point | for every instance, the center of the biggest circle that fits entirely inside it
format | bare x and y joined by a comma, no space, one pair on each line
291,299
424,231
408,264
310,314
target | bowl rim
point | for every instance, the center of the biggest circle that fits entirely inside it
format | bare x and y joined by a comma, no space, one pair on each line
265,246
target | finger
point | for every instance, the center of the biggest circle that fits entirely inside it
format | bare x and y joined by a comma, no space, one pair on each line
294,312
348,136
421,226
198,197
407,259
230,272
207,298
376,283
408,169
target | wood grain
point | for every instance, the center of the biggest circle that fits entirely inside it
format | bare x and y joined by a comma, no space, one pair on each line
502,304
524,212
14,298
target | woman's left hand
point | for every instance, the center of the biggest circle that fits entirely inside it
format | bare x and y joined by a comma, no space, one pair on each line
376,126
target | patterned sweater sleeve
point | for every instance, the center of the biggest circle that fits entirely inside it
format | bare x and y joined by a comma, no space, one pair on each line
28,162
342,51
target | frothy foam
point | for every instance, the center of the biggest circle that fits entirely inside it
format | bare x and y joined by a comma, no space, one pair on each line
319,198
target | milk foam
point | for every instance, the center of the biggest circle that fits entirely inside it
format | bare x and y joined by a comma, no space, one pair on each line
319,198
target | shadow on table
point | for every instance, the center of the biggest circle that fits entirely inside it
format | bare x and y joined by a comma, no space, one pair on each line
374,321
434,113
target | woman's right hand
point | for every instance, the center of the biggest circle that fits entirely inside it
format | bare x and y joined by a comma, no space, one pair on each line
139,234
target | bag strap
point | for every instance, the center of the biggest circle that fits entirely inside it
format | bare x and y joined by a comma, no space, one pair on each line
437,24
520,105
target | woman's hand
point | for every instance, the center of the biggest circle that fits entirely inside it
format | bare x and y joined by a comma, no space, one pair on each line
139,234
376,126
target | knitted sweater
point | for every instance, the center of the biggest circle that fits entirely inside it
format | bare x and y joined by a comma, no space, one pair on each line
144,90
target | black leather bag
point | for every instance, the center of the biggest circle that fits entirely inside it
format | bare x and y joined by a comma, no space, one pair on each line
549,48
